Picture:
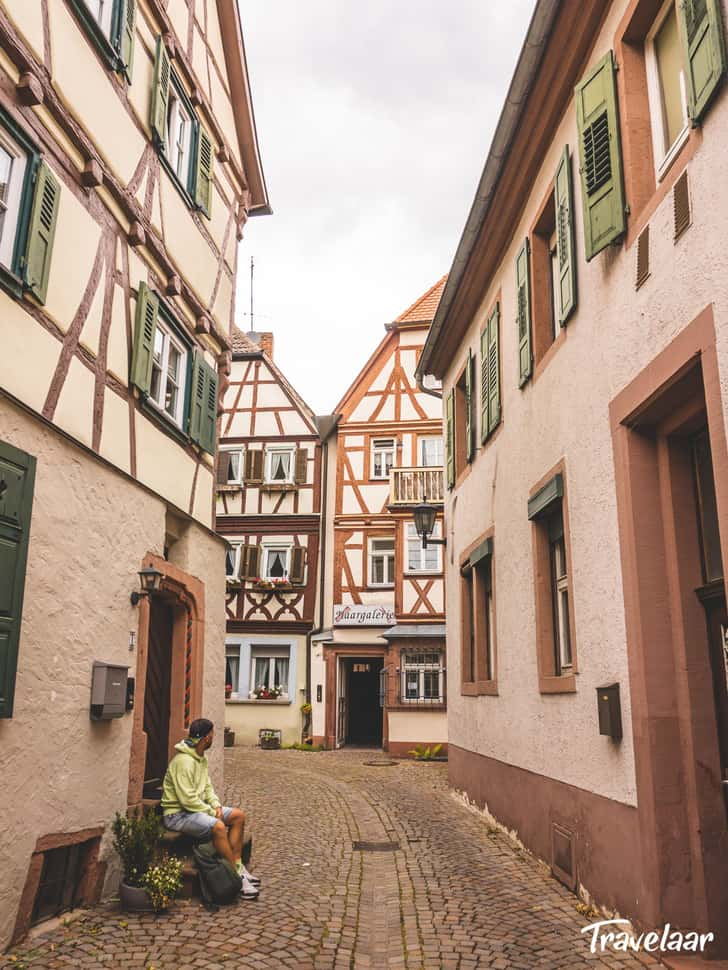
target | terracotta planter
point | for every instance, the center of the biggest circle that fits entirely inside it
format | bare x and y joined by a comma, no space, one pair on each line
134,899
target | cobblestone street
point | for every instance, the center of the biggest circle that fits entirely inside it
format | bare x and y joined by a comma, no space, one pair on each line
454,894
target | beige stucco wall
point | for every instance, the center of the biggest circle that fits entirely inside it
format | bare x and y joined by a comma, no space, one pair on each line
613,335
90,529
418,727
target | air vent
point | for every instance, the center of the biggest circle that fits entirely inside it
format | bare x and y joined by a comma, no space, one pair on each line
597,160
643,257
563,863
681,205
375,846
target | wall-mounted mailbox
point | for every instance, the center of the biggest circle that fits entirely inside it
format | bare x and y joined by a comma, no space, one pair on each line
130,685
610,711
108,691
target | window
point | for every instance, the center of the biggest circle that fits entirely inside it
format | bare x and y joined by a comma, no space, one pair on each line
13,162
383,451
421,560
279,464
179,137
270,668
61,880
552,588
101,11
230,467
170,362
707,506
381,562
431,452
478,621
423,678
232,667
276,562
554,286
232,561
111,26
462,424
666,87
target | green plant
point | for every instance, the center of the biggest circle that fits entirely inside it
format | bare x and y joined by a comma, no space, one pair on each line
298,746
306,708
135,839
422,753
163,881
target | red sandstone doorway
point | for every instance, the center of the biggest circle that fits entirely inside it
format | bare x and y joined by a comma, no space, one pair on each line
157,691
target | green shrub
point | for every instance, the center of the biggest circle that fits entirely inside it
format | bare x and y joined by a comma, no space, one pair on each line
163,881
135,839
422,753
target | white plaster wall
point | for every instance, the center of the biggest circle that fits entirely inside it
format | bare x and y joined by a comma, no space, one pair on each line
614,335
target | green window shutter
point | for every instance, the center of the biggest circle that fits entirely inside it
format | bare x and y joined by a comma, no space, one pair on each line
203,406
565,251
523,296
600,157
203,177
41,232
494,393
160,95
484,385
17,477
450,437
147,311
126,38
703,44
469,407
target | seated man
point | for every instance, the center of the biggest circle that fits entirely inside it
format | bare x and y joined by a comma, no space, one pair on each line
190,805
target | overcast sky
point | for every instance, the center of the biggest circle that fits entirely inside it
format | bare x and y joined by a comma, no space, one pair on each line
374,120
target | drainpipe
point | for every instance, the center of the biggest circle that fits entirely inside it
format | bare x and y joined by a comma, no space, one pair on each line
322,558
427,390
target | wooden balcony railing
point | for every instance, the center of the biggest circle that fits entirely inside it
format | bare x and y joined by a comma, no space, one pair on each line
408,486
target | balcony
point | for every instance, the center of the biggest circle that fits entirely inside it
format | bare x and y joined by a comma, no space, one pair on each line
409,486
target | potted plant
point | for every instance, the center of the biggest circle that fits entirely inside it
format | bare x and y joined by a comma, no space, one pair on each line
269,739
136,838
162,881
229,738
228,691
267,693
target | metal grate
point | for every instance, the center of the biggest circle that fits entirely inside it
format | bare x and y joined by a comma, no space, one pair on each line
597,159
643,257
375,846
681,205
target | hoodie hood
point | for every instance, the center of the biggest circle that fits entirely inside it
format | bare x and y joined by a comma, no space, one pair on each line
183,748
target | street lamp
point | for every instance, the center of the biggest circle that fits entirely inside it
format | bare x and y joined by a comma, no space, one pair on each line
424,516
150,580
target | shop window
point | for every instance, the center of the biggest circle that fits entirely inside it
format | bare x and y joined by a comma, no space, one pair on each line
423,678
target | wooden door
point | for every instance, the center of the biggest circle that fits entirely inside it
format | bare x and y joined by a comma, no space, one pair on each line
157,694
713,599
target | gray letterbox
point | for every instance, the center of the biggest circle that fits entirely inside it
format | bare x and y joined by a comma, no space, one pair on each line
610,711
108,691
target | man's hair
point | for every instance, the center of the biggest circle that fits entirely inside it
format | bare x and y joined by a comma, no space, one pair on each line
200,728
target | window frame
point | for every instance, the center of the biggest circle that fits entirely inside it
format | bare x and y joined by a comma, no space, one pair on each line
371,555
478,674
411,536
270,451
422,668
11,277
237,553
167,327
232,655
187,188
378,447
266,549
240,450
421,442
108,45
663,158
14,205
277,652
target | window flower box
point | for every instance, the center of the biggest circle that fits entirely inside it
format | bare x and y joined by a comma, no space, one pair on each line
267,693
270,739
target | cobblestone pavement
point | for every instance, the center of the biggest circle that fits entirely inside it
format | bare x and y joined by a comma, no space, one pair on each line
455,894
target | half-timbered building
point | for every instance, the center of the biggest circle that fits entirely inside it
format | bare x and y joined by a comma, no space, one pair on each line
379,670
128,167
269,511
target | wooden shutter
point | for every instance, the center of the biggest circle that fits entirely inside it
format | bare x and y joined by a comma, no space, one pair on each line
565,251
450,437
160,95
147,312
494,392
41,232
203,404
253,467
17,478
301,466
298,566
484,385
222,467
703,51
128,29
469,407
523,317
250,562
600,157
203,177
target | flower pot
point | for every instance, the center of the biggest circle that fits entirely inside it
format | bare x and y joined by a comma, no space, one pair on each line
134,899
229,737
270,744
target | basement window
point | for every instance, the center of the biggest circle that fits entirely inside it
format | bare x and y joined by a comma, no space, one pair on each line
60,883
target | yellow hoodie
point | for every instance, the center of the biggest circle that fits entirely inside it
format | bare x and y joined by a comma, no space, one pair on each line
186,786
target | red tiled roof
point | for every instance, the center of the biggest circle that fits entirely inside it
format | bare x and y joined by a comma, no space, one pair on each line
241,343
423,309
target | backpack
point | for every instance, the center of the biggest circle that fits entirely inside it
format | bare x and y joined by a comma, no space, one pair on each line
219,882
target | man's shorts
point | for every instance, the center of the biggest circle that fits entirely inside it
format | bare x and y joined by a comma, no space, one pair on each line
195,824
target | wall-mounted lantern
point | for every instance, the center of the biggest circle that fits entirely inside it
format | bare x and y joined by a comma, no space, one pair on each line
150,580
424,516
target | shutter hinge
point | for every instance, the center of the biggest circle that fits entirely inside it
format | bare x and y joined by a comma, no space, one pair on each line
627,210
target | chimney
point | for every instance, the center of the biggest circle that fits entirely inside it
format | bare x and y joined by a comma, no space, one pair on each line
263,340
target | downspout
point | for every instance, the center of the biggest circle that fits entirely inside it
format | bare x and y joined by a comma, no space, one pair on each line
322,559
427,390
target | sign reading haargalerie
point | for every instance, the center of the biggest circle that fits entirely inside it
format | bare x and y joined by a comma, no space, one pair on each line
362,614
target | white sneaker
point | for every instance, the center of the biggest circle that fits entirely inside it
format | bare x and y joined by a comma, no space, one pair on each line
248,890
250,877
